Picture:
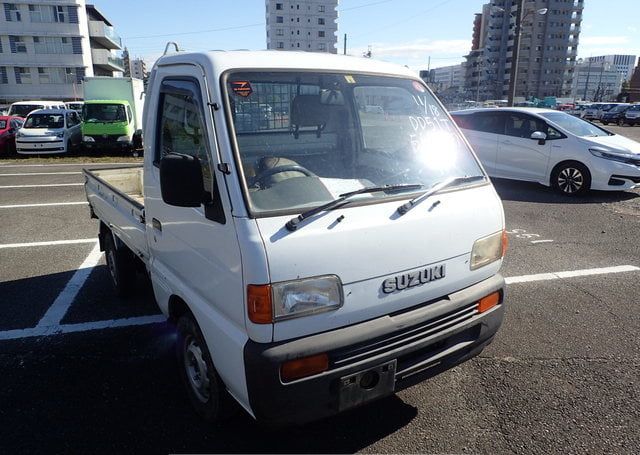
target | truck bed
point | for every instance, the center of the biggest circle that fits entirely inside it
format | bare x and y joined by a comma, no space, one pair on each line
116,197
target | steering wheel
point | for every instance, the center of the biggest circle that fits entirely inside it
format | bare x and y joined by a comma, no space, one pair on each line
259,179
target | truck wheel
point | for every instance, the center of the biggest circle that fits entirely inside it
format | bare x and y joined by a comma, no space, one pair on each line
121,267
206,390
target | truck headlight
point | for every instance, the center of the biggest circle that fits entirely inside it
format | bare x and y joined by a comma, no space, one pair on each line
292,299
488,249
124,139
88,139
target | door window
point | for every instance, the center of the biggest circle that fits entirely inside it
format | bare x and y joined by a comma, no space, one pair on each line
523,126
486,122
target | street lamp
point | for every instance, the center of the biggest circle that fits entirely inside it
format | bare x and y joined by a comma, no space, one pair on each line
516,45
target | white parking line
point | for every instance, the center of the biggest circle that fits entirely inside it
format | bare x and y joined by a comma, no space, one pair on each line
41,186
47,204
39,173
70,164
542,241
53,242
570,274
59,308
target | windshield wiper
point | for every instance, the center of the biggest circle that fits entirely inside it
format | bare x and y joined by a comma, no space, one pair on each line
451,181
292,224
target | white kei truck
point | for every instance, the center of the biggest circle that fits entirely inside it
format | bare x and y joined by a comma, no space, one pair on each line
315,253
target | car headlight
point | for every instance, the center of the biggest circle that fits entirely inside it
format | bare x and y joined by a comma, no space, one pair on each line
124,139
88,139
60,135
292,299
19,134
614,156
488,249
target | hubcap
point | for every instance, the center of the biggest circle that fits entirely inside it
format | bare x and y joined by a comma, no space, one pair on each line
111,262
570,180
196,369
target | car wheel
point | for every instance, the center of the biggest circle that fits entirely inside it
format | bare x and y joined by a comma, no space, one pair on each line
120,262
605,123
571,178
206,390
620,122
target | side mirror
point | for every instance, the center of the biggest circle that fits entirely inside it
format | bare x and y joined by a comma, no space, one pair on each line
181,180
539,136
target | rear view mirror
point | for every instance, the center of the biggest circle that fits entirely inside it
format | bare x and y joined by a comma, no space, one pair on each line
539,136
181,180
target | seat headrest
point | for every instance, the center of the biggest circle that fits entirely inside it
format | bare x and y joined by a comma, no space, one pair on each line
306,110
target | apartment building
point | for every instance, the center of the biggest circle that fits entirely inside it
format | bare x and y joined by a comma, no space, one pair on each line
548,47
623,64
136,67
447,77
47,47
302,25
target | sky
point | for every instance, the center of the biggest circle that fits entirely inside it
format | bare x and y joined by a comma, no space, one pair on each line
408,32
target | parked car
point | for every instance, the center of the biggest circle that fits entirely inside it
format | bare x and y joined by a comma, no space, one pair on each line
9,126
552,148
75,106
590,111
603,108
615,114
632,115
49,131
23,108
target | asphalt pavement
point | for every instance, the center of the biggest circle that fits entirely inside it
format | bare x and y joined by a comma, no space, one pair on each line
85,371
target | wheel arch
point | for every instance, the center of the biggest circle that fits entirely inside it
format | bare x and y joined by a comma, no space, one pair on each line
177,307
560,164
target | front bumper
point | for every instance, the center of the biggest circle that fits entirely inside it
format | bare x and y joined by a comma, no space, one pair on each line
415,344
44,145
106,142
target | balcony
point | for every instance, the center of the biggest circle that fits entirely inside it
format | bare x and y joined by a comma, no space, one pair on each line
104,35
104,59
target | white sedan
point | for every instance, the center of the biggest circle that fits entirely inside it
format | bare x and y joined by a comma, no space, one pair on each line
551,147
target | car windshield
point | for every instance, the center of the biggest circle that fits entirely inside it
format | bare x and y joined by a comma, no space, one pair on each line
75,106
104,113
635,107
22,110
304,138
50,121
574,125
619,108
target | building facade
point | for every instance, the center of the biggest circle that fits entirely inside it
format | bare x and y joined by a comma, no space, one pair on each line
447,77
623,64
596,82
297,25
47,47
548,47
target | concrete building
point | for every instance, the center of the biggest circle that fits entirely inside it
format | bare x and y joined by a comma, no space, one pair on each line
623,64
596,81
634,86
133,67
447,77
302,25
47,47
548,49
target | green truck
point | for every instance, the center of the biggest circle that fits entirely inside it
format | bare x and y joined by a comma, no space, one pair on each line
112,114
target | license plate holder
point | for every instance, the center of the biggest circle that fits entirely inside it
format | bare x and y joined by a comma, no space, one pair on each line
367,385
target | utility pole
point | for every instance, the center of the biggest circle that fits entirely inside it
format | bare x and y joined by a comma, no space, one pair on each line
515,54
586,83
345,44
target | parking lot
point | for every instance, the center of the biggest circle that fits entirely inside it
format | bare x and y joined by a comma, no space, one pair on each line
83,370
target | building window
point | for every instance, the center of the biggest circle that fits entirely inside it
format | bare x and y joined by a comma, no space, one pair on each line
320,21
52,45
279,32
13,12
21,46
24,75
279,19
280,45
320,33
322,47
3,75
279,6
61,14
321,8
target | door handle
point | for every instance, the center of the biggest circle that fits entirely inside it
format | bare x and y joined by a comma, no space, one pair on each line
156,224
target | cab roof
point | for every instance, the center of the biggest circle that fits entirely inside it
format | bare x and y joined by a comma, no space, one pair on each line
220,61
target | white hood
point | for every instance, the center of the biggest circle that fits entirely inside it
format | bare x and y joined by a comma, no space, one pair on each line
617,142
39,132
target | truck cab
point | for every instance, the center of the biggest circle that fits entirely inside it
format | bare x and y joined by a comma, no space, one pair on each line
325,256
107,124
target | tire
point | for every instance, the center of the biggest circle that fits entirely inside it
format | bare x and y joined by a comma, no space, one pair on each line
620,122
605,123
121,265
571,178
206,390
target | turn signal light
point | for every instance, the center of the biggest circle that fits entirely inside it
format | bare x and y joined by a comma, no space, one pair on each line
505,242
306,366
259,305
488,302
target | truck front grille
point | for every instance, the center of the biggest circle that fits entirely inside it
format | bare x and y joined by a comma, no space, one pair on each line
411,335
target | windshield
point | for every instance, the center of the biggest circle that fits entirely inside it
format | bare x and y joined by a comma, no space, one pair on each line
50,121
635,107
74,106
306,138
619,108
575,125
22,110
104,113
